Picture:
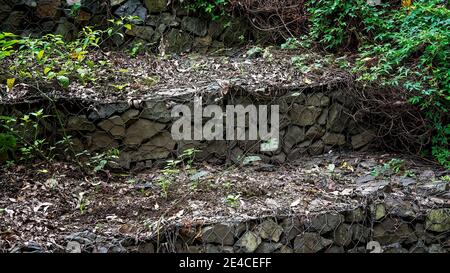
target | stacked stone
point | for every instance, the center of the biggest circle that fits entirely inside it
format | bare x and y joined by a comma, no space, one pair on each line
310,125
179,29
352,231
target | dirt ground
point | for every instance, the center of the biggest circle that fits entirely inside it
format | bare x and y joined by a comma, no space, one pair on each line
125,78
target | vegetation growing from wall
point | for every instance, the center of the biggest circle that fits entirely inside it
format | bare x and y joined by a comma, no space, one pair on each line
407,47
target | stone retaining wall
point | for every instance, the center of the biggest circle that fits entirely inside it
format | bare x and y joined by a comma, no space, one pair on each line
310,124
162,20
379,227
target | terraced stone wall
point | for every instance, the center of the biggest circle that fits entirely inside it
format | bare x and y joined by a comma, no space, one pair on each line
310,124
378,228
162,20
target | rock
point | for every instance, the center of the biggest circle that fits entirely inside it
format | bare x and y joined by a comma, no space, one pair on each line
319,100
337,118
343,235
80,123
194,25
270,230
169,19
310,243
365,179
304,115
218,249
360,249
378,211
116,2
407,181
66,29
291,228
220,233
158,147
48,8
419,247
360,233
316,148
333,139
314,132
107,110
279,158
73,247
285,249
326,222
100,249
233,33
438,220
13,22
143,32
132,8
178,41
101,141
394,248
435,248
217,148
294,135
141,130
434,188
322,120
266,247
374,187
113,125
335,249
355,216
391,231
146,248
157,111
202,43
156,6
83,237
216,29
400,208
427,176
249,242
5,9
362,139
130,115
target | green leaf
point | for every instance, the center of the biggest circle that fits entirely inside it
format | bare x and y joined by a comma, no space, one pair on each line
10,83
46,70
40,55
63,81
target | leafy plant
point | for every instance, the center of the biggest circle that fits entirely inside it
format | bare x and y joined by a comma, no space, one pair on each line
232,200
52,59
174,167
406,47
99,161
395,166
24,134
291,43
215,9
